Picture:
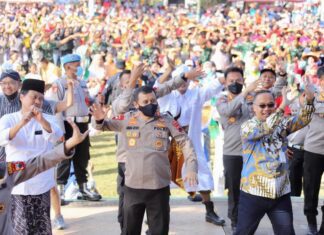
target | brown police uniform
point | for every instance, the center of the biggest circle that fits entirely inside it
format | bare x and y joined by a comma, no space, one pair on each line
147,175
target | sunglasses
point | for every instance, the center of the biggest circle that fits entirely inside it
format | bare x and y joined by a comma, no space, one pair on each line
263,106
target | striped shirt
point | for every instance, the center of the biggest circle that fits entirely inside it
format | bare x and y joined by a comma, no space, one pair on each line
11,106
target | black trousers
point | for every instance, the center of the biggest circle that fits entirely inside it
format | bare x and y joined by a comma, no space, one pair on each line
120,191
156,204
232,171
296,172
252,209
80,158
313,171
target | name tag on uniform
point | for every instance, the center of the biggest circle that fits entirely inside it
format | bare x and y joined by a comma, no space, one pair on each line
40,132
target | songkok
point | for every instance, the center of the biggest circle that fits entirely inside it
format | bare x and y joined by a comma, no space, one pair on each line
34,85
10,73
70,58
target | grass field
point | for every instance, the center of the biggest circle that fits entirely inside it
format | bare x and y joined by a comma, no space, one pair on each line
105,166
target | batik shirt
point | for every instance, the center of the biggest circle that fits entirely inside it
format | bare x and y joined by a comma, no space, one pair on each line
265,169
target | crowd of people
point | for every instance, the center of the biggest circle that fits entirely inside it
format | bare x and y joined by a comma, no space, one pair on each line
148,73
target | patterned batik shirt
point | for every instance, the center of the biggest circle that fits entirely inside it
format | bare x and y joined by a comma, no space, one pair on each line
265,169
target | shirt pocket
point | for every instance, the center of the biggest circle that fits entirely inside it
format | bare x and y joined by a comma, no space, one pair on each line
160,141
132,138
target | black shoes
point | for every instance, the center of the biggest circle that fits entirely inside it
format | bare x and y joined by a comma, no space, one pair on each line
88,195
211,216
195,198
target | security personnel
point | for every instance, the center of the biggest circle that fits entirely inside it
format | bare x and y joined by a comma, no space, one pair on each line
234,111
79,113
314,159
145,136
13,173
296,150
124,103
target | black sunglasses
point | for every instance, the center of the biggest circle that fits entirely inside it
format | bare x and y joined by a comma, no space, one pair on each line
263,106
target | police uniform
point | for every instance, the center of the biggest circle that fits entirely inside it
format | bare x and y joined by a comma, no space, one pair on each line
79,113
147,175
314,161
13,173
121,105
233,112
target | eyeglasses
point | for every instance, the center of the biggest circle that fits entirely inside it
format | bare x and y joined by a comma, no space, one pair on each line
12,83
263,106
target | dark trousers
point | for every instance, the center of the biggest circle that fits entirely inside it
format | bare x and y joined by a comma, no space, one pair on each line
296,172
313,171
120,191
156,204
80,158
232,171
253,208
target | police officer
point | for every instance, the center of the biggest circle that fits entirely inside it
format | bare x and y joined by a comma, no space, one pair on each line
124,103
314,159
78,113
296,151
145,137
233,111
13,173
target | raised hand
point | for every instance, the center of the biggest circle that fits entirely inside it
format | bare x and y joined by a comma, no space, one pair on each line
77,137
309,90
37,113
136,73
285,100
98,112
194,74
26,118
253,86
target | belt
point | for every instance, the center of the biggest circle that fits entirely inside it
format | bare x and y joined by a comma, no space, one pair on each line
296,146
84,119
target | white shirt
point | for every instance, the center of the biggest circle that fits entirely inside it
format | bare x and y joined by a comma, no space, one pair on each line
191,104
30,141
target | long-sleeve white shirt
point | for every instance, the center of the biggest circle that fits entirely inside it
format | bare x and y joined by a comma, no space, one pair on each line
30,141
191,104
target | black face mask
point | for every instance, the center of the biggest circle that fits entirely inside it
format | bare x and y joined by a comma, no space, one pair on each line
12,96
148,110
235,88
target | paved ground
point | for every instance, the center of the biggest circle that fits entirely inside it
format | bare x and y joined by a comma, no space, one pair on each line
187,218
